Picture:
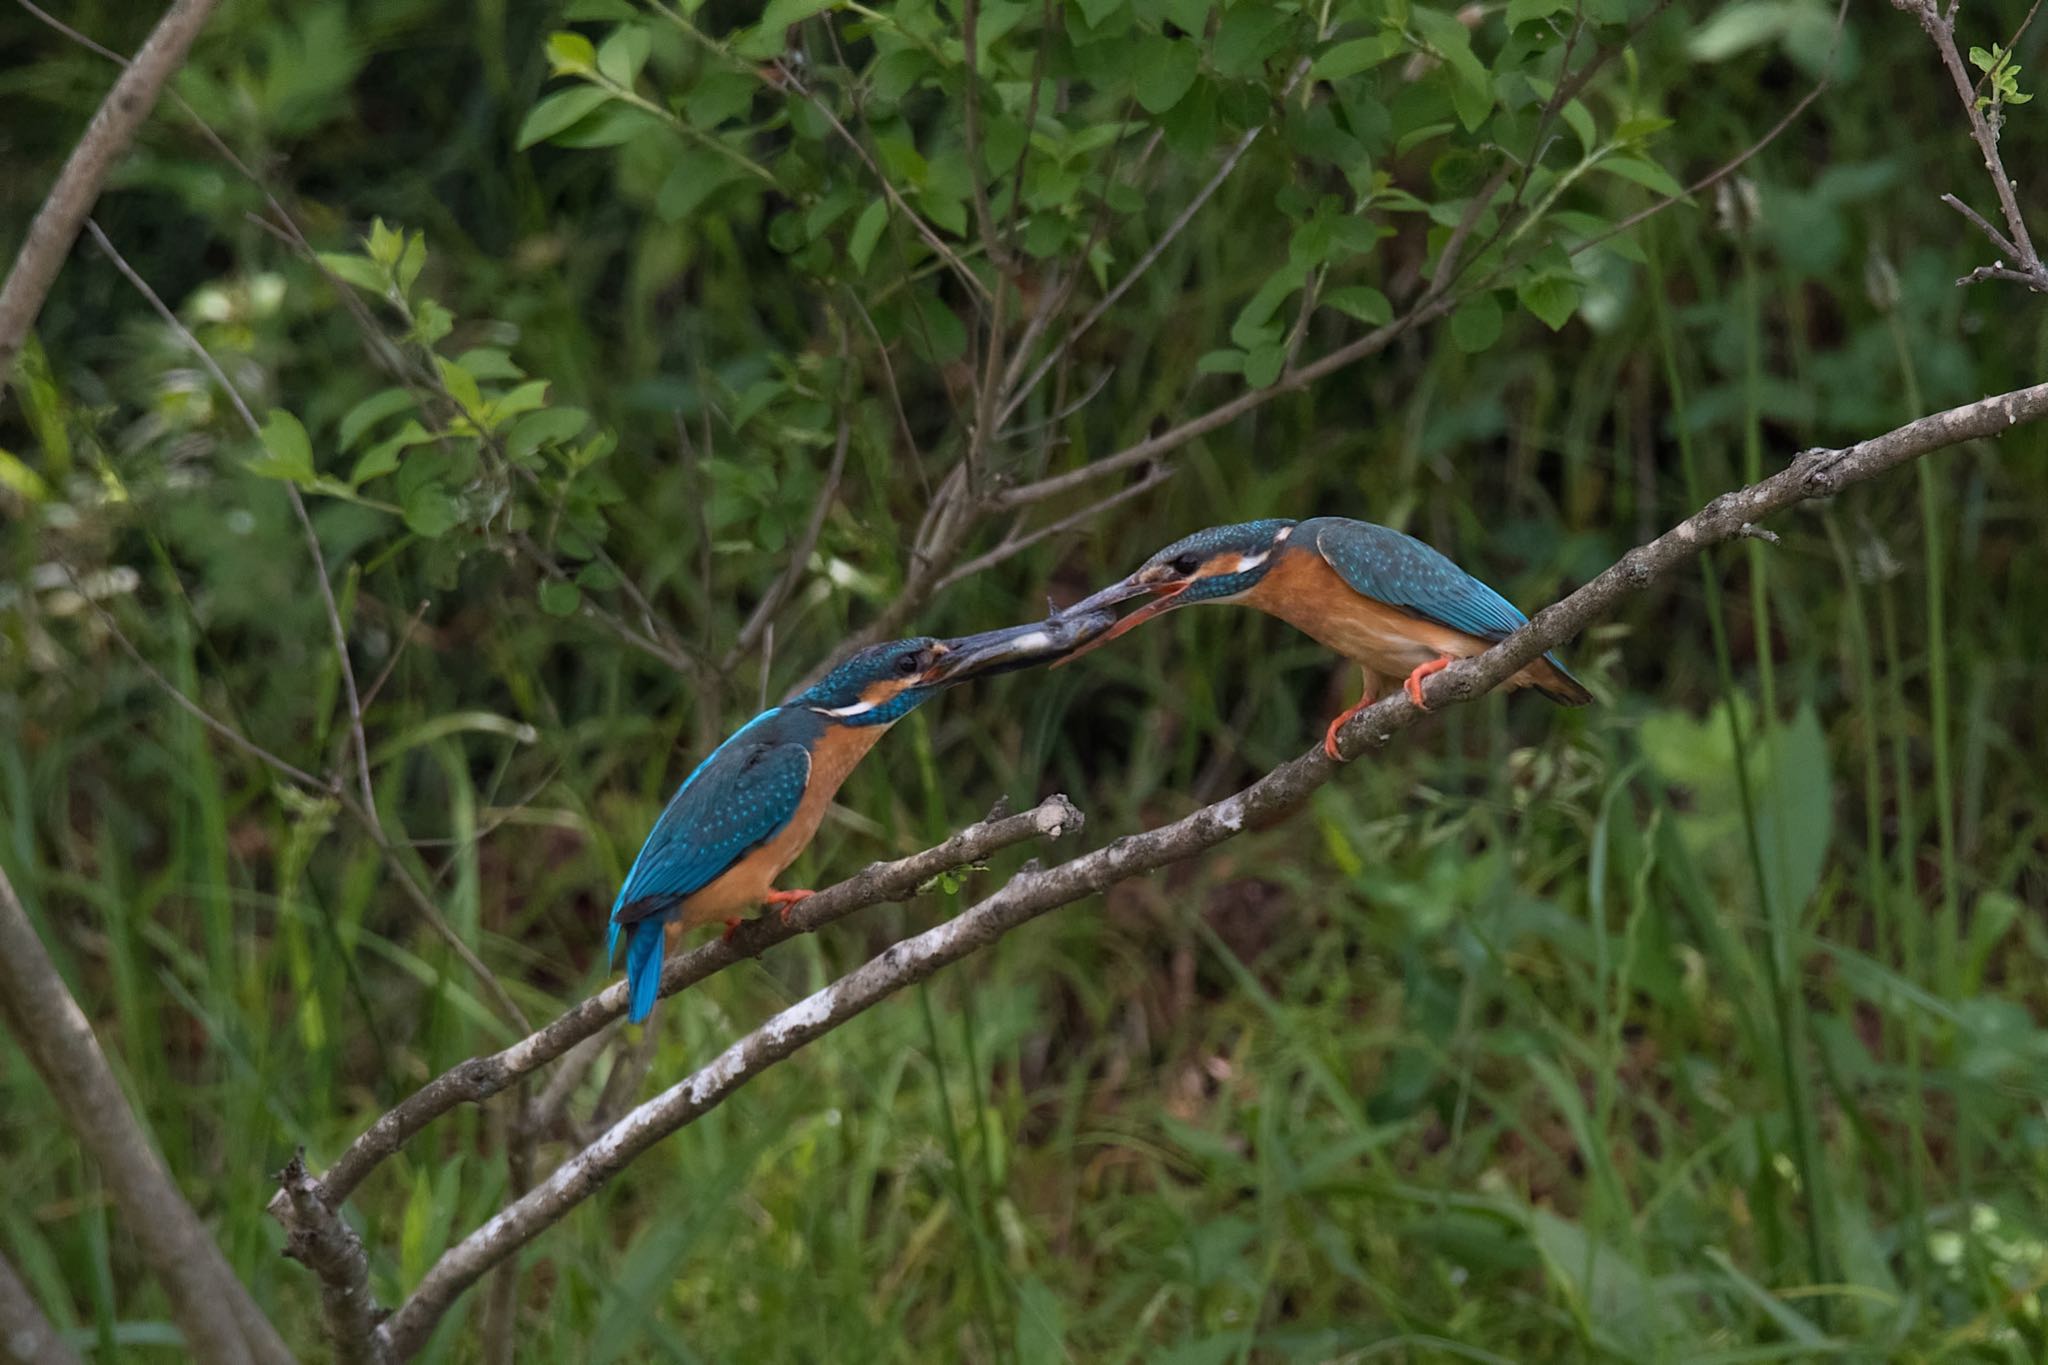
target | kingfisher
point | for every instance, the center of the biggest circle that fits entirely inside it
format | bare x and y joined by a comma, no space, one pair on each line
1394,606
746,812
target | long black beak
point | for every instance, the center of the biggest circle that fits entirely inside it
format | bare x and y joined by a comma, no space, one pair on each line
1000,651
1165,594
1113,595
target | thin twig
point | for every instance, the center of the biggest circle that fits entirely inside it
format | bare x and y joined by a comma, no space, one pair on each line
337,634
1814,474
105,141
2015,240
1014,545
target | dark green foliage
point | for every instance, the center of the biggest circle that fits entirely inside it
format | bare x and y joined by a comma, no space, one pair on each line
1705,1024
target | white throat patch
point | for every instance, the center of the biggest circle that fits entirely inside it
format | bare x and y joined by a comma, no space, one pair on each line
859,708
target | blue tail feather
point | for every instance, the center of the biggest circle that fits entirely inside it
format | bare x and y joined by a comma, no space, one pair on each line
646,944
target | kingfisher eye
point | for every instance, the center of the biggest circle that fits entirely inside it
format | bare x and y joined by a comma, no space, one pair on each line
1187,564
907,664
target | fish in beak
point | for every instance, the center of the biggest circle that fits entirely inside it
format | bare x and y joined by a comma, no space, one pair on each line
1165,591
1002,651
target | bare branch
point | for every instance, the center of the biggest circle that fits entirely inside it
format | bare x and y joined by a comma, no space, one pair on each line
212,1309
2015,240
317,1237
479,1078
105,142
1013,545
1813,474
25,1334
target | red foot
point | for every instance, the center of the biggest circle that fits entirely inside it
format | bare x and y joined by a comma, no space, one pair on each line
1414,683
732,926
1330,735
782,900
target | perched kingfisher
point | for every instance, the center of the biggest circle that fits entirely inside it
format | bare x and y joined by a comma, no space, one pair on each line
750,808
1391,604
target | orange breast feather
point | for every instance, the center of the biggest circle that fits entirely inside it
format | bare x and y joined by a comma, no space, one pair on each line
751,878
1304,591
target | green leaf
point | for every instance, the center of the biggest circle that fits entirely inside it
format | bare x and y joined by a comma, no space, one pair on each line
410,262
1476,326
1353,56
372,410
697,174
359,271
287,452
558,112
1230,360
624,53
1164,69
1471,85
766,39
1263,365
719,96
559,597
1363,302
570,54
430,511
378,460
1522,12
1553,298
1246,37
549,426
489,362
866,232
893,74
461,386
523,399
1580,120
1736,28
1647,173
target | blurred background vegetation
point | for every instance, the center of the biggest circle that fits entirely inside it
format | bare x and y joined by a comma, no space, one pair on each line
1705,1024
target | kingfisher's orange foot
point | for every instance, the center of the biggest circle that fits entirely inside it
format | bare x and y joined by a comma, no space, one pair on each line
732,926
1414,684
783,900
1330,735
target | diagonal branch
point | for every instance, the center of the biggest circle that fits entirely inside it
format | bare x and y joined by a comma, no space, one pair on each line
1813,474
479,1078
25,1333
105,142
213,1311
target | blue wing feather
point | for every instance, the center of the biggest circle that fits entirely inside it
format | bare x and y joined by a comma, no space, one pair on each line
1401,571
737,799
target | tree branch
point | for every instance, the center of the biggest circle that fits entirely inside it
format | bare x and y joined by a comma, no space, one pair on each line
479,1078
2015,242
218,1319
25,1334
105,142
318,1238
1813,474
